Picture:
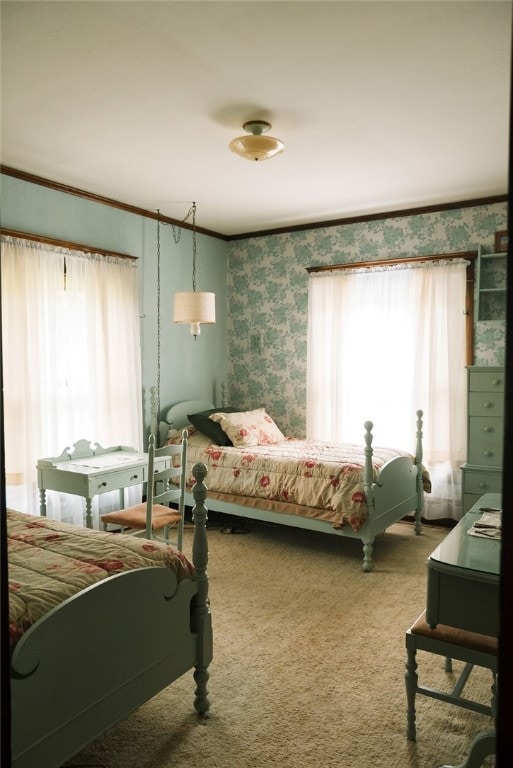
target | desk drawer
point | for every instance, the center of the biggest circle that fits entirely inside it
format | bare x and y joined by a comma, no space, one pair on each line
161,462
116,480
486,404
469,602
486,381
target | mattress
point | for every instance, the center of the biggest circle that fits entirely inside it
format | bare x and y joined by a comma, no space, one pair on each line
50,561
324,479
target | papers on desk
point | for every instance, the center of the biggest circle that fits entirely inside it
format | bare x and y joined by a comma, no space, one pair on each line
488,526
107,460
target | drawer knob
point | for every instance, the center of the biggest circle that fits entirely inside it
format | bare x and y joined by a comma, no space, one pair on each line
134,477
495,382
102,485
481,484
486,404
488,453
486,428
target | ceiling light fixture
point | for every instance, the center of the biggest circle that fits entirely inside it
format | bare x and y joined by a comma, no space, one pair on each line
255,146
194,307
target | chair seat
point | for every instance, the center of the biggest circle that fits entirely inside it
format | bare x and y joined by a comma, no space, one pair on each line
135,517
167,476
470,648
458,637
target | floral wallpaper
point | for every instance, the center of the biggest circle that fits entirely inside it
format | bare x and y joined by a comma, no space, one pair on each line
268,297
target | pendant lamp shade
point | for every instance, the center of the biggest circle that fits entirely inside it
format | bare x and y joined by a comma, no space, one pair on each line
255,146
194,307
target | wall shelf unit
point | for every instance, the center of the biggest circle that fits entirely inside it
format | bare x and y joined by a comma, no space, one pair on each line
491,286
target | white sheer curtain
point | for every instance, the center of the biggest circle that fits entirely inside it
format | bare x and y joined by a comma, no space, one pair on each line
71,363
382,344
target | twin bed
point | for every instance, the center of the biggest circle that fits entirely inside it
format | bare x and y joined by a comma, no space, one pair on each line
255,472
99,623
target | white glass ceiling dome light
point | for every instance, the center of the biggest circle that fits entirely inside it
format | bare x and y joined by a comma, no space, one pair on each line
194,307
255,146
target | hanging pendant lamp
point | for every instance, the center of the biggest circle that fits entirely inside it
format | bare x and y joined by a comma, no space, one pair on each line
255,146
194,307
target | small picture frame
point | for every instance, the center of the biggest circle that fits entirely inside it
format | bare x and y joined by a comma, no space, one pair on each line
501,241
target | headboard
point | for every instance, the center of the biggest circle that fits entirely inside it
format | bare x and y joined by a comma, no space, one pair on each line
176,416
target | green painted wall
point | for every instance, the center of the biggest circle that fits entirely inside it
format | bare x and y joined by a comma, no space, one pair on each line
189,369
259,341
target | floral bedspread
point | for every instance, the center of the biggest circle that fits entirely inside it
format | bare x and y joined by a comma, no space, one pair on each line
326,477
50,561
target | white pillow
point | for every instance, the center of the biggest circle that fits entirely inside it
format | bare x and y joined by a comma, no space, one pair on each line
246,428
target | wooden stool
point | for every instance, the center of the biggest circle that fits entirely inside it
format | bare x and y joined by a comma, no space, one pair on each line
469,647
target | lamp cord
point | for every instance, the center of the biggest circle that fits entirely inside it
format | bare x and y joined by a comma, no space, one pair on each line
177,234
158,328
193,209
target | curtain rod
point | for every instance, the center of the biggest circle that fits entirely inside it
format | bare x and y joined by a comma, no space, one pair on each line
64,244
469,256
392,262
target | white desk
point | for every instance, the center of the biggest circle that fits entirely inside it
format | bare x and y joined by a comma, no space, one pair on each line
89,470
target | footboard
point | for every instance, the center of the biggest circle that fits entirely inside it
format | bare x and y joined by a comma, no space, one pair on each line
398,490
395,494
96,657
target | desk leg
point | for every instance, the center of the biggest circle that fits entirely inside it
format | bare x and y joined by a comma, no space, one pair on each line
42,502
482,746
89,512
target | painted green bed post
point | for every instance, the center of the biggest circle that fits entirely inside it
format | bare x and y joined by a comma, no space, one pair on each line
42,502
183,484
201,618
368,480
420,485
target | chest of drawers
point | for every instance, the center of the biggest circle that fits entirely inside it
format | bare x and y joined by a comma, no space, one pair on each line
482,471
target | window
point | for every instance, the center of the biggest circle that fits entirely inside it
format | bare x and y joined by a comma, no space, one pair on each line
382,344
71,361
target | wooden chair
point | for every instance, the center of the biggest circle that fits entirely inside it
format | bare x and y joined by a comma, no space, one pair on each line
154,518
469,647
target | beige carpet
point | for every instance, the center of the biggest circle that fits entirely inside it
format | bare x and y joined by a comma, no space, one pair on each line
308,667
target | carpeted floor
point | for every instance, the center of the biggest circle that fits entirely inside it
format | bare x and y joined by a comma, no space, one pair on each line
308,668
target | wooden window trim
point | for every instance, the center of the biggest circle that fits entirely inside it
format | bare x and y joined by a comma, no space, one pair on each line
64,244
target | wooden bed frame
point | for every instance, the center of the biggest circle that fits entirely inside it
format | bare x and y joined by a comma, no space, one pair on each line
102,653
398,490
